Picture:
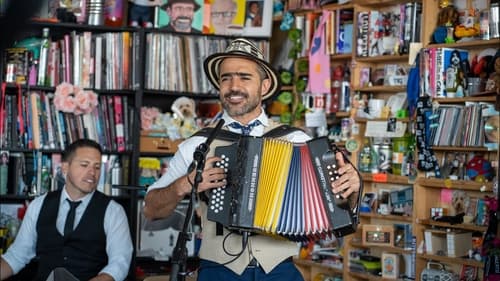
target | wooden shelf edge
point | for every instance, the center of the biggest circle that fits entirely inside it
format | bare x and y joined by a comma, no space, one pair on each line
392,249
455,184
385,217
452,260
386,58
368,276
462,148
465,226
381,89
475,98
468,44
305,262
364,120
390,179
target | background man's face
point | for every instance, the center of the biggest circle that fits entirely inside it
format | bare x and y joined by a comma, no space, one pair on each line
222,14
181,16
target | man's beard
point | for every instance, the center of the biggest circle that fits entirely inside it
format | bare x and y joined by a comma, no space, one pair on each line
250,105
182,23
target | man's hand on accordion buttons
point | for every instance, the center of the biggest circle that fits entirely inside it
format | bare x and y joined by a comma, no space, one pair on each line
212,176
349,181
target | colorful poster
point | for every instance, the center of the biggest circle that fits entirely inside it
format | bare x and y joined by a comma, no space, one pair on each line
180,16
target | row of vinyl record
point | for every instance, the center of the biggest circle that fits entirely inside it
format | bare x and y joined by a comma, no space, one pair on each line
460,125
32,122
175,62
36,173
87,59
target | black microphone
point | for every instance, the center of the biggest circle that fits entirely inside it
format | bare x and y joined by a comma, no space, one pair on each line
201,151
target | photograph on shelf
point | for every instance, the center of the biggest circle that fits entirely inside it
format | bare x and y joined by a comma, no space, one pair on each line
48,8
224,17
184,16
381,235
369,202
390,265
258,28
403,235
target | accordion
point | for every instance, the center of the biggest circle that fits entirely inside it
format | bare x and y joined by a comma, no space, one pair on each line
280,188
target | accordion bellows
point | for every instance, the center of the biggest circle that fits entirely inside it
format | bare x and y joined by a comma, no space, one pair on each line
280,188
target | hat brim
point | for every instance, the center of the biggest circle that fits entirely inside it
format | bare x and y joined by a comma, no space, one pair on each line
212,63
166,5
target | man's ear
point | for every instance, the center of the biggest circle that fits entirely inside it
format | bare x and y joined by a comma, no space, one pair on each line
64,167
264,88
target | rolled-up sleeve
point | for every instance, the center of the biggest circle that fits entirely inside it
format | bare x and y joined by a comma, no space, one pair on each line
118,242
23,250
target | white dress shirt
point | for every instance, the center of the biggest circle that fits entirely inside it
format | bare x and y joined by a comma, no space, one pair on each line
118,241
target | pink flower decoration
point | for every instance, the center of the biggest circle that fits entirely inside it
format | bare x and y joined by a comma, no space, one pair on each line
148,115
64,89
73,99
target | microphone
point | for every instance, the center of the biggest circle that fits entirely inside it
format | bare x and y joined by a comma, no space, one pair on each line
203,148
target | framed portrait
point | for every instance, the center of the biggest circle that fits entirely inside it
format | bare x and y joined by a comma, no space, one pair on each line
162,18
224,17
258,18
47,10
390,265
381,235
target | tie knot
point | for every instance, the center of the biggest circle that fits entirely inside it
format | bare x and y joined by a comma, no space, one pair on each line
245,129
73,204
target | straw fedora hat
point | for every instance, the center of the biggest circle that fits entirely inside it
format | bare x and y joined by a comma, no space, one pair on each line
241,48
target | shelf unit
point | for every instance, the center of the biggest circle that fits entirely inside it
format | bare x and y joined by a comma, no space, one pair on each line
426,191
132,92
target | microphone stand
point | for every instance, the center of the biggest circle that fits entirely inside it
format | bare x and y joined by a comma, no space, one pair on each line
179,256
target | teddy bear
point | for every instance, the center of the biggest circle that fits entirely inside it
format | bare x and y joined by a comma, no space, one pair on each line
459,201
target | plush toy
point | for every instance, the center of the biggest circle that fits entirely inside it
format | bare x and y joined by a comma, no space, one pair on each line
479,169
141,12
459,201
184,110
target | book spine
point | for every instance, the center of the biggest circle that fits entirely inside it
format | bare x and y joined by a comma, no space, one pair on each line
118,110
68,77
362,34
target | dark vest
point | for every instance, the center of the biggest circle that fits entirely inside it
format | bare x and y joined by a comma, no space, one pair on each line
83,252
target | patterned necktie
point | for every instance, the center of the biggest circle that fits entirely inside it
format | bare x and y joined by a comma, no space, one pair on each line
245,130
70,219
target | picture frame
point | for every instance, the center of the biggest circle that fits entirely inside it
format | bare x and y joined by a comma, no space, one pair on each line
162,19
267,17
224,17
379,235
390,265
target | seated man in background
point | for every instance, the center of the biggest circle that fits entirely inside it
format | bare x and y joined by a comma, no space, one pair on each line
76,228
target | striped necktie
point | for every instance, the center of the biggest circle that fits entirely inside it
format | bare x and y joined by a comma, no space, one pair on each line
245,130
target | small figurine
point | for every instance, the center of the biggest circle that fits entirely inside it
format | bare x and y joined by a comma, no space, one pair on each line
447,20
141,11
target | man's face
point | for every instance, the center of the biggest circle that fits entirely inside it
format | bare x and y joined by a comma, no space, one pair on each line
241,88
254,8
82,172
181,16
222,14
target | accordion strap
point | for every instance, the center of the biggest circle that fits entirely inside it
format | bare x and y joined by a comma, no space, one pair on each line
226,135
